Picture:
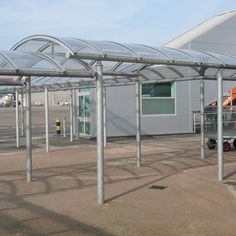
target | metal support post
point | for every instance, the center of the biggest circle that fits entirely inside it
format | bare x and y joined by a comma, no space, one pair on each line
231,102
100,138
138,124
104,117
46,119
220,124
71,117
28,131
64,127
194,123
74,112
77,114
22,115
78,131
17,119
202,119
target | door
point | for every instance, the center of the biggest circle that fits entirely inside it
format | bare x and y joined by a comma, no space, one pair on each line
84,113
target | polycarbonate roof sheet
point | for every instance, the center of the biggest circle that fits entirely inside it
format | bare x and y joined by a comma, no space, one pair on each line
107,50
147,52
60,58
114,49
81,46
32,45
39,80
186,71
5,64
73,55
129,67
148,74
226,59
28,61
178,55
73,64
52,48
204,58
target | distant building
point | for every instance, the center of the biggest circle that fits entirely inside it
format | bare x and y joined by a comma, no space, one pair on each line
214,35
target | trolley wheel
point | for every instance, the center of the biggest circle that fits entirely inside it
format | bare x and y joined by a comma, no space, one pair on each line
211,143
226,146
234,143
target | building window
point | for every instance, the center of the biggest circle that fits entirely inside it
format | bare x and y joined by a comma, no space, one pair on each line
158,99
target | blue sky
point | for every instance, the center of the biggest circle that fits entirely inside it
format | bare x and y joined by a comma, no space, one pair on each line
152,22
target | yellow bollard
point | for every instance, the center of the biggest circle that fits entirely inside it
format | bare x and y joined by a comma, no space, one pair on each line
58,126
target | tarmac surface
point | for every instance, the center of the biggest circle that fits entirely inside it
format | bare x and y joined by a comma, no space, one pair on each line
173,193
8,124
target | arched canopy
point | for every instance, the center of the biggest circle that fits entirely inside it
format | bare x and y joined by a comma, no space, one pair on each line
112,51
73,60
45,57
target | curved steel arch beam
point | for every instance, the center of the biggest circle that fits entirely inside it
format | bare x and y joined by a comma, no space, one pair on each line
91,45
8,59
137,56
155,49
46,38
80,61
50,60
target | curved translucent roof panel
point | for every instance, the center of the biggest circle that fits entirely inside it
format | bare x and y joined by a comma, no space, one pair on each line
107,50
73,57
229,74
204,58
226,59
39,80
59,58
5,63
148,52
114,49
39,43
177,55
149,74
81,46
27,61
31,45
185,71
129,67
53,49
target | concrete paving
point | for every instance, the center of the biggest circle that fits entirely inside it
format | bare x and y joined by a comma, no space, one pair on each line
173,193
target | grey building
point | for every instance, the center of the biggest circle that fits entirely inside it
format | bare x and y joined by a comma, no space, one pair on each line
166,108
214,35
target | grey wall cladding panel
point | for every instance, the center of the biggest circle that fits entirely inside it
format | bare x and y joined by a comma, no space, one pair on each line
121,111
123,107
213,47
220,39
165,125
217,35
122,91
121,126
121,120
